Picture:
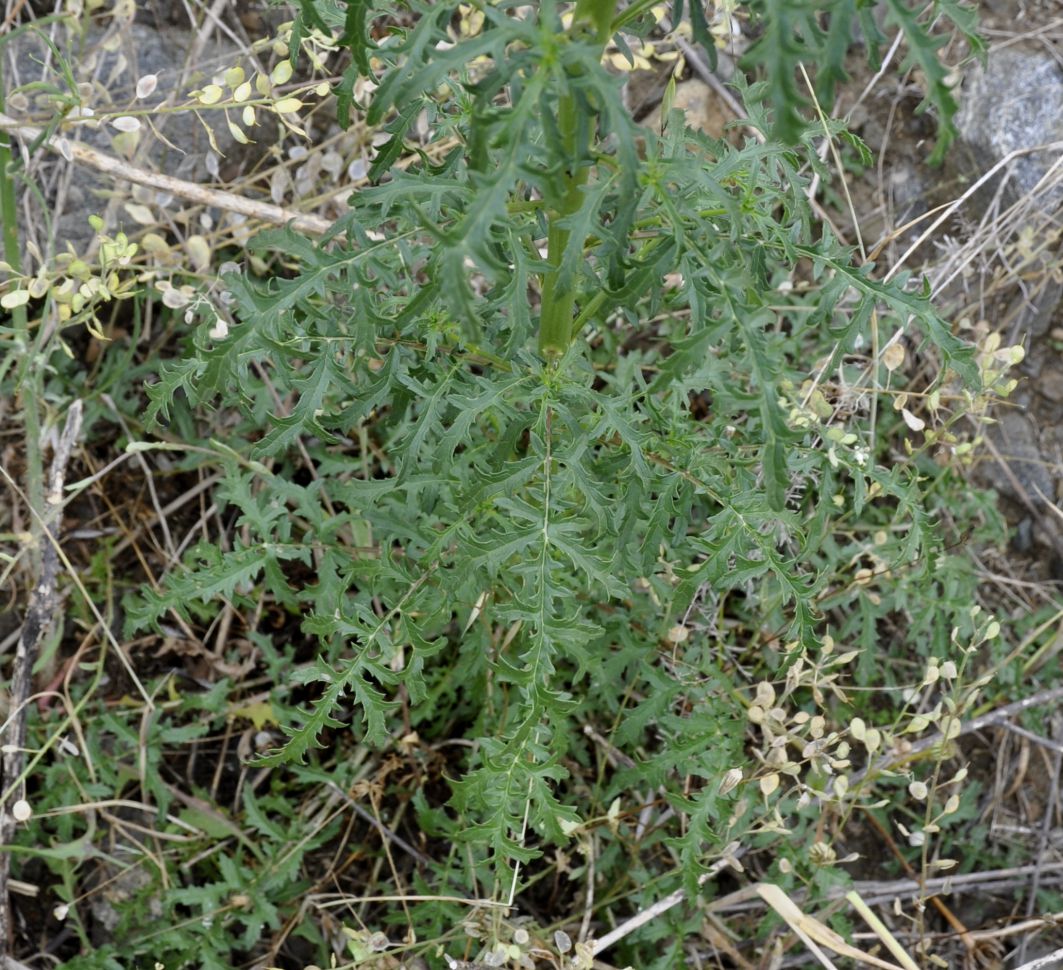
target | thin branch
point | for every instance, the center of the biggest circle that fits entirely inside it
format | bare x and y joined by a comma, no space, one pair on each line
1048,960
659,907
876,892
199,194
988,719
382,829
39,616
1035,738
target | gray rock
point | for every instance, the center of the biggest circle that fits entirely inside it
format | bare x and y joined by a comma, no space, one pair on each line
643,90
107,66
702,107
1014,102
1024,477
1023,472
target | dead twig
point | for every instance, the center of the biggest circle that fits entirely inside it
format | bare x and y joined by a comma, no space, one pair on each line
1055,746
876,892
936,901
988,719
381,828
662,905
39,616
1042,841
1048,960
200,195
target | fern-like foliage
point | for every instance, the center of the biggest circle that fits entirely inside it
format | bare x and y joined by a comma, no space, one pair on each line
486,540
809,33
787,34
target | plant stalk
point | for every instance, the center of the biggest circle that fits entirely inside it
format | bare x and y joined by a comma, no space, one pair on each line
28,374
558,288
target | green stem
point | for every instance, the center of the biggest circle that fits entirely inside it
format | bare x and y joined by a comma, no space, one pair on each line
29,375
598,14
8,208
559,293
559,289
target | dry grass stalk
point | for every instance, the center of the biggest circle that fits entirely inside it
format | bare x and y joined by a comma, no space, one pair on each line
39,616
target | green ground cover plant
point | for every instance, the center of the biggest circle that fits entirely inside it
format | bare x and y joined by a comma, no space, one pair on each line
590,482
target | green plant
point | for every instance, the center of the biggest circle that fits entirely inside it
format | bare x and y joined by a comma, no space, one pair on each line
561,445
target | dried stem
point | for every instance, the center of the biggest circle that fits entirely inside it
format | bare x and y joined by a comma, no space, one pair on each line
229,201
39,615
